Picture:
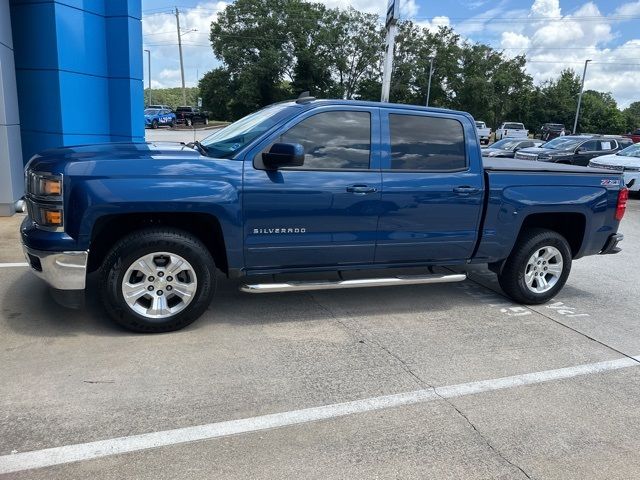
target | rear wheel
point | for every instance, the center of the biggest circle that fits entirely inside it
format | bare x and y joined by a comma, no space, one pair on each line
154,124
157,280
188,122
537,268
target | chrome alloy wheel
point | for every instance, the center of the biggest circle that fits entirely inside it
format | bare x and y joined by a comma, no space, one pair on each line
159,285
543,270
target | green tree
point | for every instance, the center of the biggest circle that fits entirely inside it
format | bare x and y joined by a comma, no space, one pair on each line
599,114
215,87
171,96
632,117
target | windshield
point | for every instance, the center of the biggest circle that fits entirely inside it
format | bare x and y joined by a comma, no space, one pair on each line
227,141
554,126
481,125
631,151
514,126
562,143
151,111
506,144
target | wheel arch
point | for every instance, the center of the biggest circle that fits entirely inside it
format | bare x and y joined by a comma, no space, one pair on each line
571,225
108,229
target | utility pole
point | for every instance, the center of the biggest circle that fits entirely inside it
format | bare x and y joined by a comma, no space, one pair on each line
149,78
184,92
584,74
431,59
393,12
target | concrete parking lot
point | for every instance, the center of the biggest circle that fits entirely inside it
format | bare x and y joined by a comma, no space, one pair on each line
446,381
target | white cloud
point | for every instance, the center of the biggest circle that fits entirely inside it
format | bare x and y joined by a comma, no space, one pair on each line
566,40
434,24
514,41
628,9
160,36
546,8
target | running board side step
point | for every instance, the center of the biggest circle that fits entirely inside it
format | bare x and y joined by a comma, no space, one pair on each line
299,286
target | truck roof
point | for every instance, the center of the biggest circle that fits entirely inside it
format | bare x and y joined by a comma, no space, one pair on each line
313,102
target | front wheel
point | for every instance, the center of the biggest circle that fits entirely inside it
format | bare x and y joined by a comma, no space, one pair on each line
538,267
157,280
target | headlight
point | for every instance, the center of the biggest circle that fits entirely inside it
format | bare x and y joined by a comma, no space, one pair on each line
632,169
44,186
47,216
45,200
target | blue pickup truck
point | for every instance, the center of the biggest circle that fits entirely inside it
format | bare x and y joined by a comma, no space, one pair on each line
311,186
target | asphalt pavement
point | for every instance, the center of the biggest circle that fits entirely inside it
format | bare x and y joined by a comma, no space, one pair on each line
449,381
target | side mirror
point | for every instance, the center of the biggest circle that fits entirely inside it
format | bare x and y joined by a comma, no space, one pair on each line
283,155
581,150
516,149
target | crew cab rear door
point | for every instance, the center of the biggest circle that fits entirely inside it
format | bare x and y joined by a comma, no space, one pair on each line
432,184
324,213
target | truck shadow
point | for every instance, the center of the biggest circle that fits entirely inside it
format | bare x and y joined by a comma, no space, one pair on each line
28,309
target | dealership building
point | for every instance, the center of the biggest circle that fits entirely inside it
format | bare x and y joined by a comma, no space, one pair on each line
70,73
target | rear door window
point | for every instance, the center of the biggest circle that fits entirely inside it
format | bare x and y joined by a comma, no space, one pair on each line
426,143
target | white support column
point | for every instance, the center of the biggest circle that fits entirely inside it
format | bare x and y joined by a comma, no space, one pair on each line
11,164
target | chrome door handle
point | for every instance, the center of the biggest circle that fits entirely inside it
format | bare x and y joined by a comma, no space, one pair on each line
361,189
466,190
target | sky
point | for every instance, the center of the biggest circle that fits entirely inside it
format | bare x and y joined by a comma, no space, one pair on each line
554,34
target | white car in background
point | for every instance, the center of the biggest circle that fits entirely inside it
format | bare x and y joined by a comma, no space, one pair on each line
484,132
626,161
511,130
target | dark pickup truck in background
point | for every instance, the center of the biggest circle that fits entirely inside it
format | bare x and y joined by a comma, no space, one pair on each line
191,115
314,187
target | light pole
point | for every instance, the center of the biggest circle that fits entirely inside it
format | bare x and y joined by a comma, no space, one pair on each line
393,12
584,74
431,59
149,79
180,34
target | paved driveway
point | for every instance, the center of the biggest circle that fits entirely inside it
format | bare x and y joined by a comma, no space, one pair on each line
441,381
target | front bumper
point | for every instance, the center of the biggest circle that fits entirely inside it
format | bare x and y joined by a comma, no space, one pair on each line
612,244
61,270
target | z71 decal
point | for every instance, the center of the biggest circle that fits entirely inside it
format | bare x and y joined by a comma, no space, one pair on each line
610,182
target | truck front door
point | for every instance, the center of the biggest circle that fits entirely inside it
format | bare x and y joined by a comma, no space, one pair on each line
432,185
324,213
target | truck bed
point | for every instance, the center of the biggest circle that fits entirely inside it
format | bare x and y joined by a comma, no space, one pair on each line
509,164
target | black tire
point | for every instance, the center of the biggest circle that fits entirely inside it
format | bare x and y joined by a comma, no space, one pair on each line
188,122
154,124
173,123
512,277
206,120
143,242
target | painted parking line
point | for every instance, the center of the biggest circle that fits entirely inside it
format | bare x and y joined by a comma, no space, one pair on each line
13,265
103,448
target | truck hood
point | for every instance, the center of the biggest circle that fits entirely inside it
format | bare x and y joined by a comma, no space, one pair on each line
56,160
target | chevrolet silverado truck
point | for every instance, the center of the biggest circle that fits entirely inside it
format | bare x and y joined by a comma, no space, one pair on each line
307,186
484,132
511,130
